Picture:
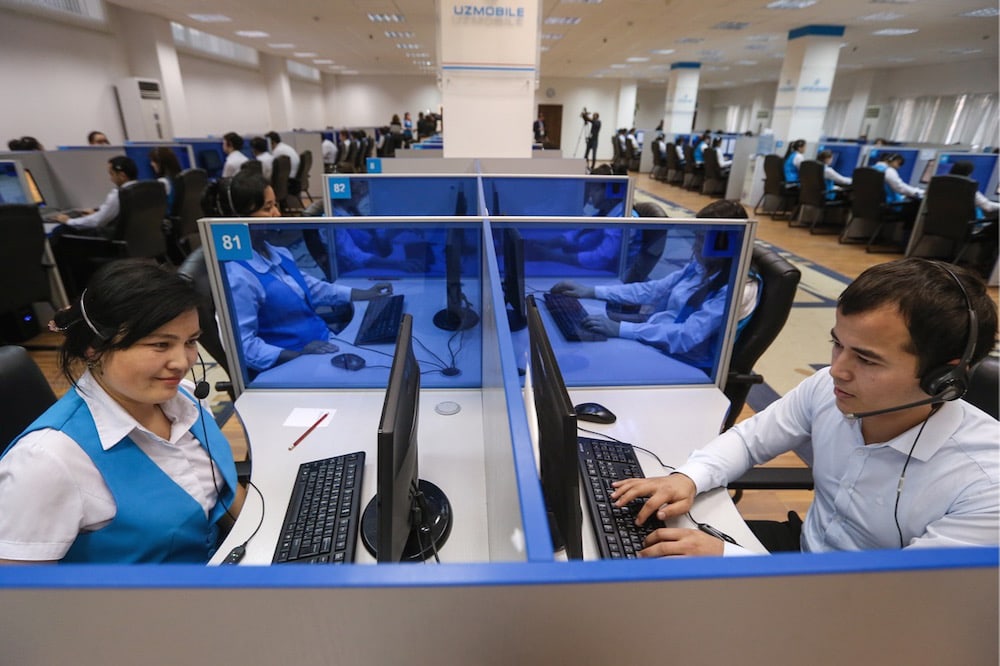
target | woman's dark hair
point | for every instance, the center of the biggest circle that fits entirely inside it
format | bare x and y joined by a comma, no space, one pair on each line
794,146
932,305
234,140
125,165
962,168
124,302
824,154
166,162
239,196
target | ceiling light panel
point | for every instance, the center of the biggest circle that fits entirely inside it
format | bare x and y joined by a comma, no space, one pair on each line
894,32
731,25
986,12
391,34
386,18
252,34
791,4
209,18
882,16
562,20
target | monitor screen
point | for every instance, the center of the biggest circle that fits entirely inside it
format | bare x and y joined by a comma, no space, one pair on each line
409,519
925,176
512,272
457,314
983,166
11,187
557,445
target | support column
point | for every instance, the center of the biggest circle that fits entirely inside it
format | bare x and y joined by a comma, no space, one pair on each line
149,46
627,93
682,96
489,57
805,84
279,91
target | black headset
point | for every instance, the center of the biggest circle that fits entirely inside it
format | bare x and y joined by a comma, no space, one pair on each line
950,382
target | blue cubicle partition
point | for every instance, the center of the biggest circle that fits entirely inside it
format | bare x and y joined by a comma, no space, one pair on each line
393,195
910,159
208,154
846,156
562,195
139,152
984,169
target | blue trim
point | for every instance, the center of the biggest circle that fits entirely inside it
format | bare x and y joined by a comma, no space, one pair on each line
487,68
816,31
115,577
685,65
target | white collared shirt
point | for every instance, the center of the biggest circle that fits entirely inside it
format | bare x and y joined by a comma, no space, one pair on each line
50,489
234,161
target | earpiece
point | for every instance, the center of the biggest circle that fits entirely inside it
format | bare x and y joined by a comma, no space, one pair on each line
950,382
202,388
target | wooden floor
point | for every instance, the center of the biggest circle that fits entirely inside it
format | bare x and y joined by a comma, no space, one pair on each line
849,260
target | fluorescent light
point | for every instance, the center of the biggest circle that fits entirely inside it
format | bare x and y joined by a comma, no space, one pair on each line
985,12
962,51
305,54
409,47
747,63
618,66
636,59
731,25
900,59
882,16
323,61
580,2
662,51
252,34
210,18
551,35
561,20
756,47
894,32
690,40
386,18
391,34
281,46
791,4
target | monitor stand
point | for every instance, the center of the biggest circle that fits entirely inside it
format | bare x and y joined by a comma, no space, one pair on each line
448,320
424,540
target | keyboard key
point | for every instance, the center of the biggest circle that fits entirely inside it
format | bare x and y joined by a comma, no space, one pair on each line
568,315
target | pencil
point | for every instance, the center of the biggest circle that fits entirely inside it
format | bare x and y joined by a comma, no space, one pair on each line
306,433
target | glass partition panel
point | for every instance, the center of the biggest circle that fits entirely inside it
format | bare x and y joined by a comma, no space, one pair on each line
297,318
579,196
666,317
354,195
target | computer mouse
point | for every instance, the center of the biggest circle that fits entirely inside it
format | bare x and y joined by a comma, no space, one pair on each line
594,412
348,361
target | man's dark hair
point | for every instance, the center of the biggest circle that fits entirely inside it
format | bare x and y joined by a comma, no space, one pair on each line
234,140
962,168
727,209
258,144
824,154
932,305
273,137
125,165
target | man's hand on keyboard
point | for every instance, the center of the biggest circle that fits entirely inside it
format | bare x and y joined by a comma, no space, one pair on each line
681,541
377,289
603,325
669,496
572,289
320,347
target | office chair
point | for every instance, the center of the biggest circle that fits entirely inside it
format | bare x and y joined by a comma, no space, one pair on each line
814,207
694,173
138,232
778,282
195,268
659,170
777,198
675,170
253,166
651,244
24,393
281,169
983,393
189,186
345,163
870,213
716,178
305,165
23,274
948,212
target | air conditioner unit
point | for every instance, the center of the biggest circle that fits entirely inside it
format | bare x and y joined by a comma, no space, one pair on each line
142,110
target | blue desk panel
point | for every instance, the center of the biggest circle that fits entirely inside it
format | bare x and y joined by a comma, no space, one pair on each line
357,195
577,196
983,168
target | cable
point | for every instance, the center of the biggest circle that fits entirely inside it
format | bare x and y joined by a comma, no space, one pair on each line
618,441
902,475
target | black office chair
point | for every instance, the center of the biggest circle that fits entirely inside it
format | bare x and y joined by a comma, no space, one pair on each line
345,163
195,268
23,274
659,170
778,282
189,186
138,232
694,173
675,169
281,169
778,198
948,212
716,178
305,165
815,211
871,216
984,386
24,393
651,244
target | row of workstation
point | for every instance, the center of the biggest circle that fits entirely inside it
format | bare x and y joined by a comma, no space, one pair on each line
501,594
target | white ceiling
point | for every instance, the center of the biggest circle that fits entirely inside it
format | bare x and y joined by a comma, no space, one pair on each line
609,33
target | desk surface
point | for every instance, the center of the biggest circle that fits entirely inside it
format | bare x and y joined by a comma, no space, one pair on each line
452,456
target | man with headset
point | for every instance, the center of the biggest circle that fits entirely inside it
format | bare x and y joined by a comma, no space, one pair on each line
898,461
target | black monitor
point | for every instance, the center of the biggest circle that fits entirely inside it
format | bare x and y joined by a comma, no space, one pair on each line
513,279
457,314
557,445
925,175
409,519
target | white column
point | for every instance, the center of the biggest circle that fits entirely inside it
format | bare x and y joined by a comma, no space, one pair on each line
627,93
682,95
149,46
488,55
805,84
279,91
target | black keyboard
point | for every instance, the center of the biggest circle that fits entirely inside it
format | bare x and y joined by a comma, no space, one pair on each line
569,314
321,523
602,462
381,321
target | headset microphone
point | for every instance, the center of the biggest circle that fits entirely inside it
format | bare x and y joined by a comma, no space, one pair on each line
202,388
897,408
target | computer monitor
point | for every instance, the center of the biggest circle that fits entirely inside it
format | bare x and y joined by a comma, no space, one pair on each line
513,279
927,173
409,519
11,186
457,315
557,445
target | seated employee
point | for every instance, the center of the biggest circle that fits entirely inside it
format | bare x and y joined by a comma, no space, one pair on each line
902,197
984,206
595,248
878,416
274,302
833,180
688,304
232,144
793,158
121,170
126,467
724,162
703,143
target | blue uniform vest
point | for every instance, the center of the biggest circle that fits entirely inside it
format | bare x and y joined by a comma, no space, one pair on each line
791,171
699,151
156,521
891,195
286,320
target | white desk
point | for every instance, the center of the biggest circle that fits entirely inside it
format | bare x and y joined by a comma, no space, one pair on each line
450,456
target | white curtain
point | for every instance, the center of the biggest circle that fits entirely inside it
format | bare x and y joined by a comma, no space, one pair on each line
969,119
836,117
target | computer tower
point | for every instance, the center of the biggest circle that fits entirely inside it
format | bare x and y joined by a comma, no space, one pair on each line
18,325
142,109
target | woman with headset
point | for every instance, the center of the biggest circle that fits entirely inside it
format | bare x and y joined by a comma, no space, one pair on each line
275,302
127,467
